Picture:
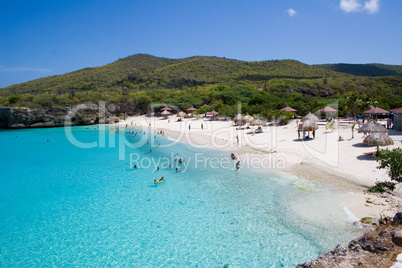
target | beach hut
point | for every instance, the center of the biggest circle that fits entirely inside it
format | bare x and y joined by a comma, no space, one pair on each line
376,111
289,109
397,121
371,127
378,139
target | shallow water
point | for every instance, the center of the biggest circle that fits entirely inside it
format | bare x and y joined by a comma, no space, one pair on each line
65,205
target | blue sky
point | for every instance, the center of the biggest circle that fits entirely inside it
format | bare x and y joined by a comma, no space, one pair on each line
42,38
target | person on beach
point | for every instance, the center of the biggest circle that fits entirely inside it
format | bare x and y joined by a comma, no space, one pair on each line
202,126
189,127
237,138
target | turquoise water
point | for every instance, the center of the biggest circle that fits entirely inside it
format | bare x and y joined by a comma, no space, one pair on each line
65,205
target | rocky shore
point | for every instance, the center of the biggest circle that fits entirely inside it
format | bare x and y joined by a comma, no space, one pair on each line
376,248
84,114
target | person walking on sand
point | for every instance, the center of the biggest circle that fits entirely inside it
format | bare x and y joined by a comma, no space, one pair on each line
189,127
237,138
202,126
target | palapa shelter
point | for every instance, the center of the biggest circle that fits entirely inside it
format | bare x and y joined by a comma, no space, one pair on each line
289,109
378,139
371,127
166,109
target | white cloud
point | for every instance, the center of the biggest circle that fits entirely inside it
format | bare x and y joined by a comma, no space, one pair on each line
371,6
350,5
292,12
24,69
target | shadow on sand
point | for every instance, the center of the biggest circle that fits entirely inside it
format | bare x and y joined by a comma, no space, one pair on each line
300,140
366,157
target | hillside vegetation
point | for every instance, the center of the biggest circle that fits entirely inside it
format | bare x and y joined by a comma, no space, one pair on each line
133,83
373,69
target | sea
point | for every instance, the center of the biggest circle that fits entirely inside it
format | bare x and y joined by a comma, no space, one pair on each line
92,196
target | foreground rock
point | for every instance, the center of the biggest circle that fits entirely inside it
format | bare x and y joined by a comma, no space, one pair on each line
376,248
84,114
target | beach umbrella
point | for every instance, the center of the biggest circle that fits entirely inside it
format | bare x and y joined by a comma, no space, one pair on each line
212,113
248,118
165,112
191,109
307,125
205,105
289,109
310,117
181,114
371,127
327,109
378,139
258,122
166,109
376,111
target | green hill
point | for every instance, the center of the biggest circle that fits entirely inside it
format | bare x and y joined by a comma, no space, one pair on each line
170,73
373,69
134,82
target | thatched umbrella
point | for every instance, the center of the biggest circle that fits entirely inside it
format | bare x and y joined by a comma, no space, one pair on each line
258,122
307,125
372,126
378,139
310,117
238,117
248,118
181,114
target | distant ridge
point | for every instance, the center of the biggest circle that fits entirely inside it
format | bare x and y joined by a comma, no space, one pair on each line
372,69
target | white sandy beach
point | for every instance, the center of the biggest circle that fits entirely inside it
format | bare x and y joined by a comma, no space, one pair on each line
325,159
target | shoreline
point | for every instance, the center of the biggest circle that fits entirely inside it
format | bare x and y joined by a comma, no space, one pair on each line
324,160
